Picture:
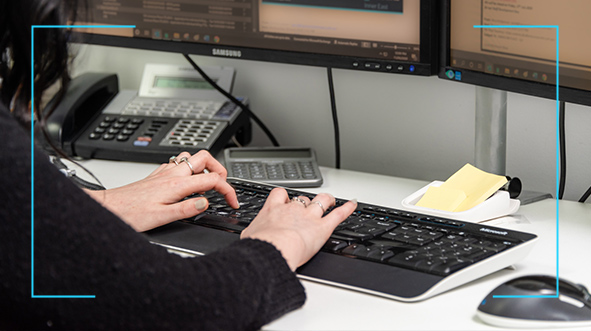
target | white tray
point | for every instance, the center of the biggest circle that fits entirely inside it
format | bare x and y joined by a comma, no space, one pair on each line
498,205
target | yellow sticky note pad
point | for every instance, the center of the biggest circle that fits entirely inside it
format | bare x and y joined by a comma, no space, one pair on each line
477,186
441,198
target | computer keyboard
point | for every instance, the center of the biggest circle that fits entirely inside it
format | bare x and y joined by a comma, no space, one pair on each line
383,251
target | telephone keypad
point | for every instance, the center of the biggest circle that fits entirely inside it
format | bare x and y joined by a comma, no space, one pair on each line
121,128
111,127
191,133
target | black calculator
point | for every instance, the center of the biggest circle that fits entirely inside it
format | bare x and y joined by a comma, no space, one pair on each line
283,166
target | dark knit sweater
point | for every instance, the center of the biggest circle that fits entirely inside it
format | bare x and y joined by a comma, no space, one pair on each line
83,249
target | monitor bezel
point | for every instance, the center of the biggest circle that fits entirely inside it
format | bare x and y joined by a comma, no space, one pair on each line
426,66
509,84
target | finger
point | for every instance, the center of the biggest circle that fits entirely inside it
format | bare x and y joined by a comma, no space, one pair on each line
277,195
204,161
339,214
188,208
181,164
180,156
301,200
173,162
322,200
211,181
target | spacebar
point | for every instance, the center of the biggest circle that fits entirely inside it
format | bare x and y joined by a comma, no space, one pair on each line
220,222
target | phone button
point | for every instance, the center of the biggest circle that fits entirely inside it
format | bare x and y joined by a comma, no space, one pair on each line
141,143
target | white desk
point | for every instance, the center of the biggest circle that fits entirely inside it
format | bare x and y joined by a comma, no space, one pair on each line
330,308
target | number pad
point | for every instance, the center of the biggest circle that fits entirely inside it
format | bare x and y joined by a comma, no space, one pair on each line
191,133
273,171
115,128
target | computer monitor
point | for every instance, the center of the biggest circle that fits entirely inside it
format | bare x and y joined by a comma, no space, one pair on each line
518,59
393,36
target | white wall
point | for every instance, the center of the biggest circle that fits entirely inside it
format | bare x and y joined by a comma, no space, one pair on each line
415,127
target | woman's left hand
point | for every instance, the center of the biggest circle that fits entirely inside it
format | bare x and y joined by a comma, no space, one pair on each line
158,199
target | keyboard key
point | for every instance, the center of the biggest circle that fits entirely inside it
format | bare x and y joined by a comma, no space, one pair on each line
354,235
379,253
357,250
334,245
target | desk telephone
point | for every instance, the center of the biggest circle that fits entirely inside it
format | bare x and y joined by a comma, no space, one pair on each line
175,110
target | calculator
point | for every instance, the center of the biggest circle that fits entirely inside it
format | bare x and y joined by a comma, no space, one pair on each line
283,166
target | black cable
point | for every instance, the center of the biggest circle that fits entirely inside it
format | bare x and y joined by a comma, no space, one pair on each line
84,184
562,144
335,119
70,173
586,195
234,100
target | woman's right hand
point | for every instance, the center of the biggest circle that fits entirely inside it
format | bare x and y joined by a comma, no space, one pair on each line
297,227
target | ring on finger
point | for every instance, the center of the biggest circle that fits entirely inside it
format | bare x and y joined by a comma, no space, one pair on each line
319,204
184,159
173,159
298,199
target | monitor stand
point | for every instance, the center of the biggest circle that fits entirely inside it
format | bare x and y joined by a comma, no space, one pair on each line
491,130
490,150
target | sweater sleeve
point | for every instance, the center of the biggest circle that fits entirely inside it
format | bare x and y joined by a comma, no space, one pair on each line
80,248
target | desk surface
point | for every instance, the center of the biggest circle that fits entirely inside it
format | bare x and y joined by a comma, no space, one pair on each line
330,308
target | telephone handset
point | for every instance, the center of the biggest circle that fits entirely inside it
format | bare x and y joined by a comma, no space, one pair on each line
87,95
175,110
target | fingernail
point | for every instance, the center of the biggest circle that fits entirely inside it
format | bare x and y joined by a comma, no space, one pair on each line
354,201
201,204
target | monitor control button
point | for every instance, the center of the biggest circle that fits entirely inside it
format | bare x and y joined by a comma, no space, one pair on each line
372,65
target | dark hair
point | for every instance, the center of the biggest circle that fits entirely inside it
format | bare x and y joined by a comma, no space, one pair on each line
51,57
51,60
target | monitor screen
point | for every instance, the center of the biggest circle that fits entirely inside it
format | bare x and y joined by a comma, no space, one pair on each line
396,36
519,59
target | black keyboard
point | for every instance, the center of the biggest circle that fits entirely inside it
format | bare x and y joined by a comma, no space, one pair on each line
394,247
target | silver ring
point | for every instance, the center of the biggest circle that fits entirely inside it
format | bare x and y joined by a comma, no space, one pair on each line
184,159
298,199
319,204
173,159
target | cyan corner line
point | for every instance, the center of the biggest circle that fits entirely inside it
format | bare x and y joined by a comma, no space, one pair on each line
33,27
557,144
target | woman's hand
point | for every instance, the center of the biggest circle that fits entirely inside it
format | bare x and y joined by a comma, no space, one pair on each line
156,199
296,227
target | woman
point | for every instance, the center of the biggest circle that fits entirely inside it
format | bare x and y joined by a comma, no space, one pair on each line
87,244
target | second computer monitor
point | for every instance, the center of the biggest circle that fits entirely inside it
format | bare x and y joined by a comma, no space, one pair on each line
519,53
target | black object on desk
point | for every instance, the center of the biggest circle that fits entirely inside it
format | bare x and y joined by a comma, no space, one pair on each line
377,250
536,302
96,120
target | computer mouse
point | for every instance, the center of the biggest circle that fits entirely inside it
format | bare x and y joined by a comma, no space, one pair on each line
543,308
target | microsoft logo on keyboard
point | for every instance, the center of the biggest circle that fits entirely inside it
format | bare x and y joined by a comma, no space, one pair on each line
504,233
